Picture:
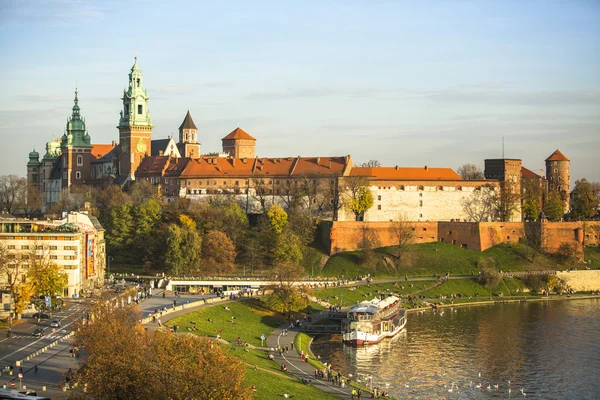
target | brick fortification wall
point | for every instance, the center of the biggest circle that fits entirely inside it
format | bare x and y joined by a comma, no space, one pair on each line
345,235
581,280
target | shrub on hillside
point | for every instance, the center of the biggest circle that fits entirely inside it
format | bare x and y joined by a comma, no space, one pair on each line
565,253
489,278
536,283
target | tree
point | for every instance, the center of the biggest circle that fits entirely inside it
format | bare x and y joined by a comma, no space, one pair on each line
32,204
12,189
286,294
126,362
287,248
44,276
553,207
302,224
367,241
120,231
141,191
470,172
218,253
360,202
184,247
148,216
506,201
371,164
585,199
262,189
531,194
533,240
253,253
403,232
278,218
489,277
479,206
14,268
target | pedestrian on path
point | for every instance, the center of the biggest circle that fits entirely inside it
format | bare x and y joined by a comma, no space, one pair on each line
35,369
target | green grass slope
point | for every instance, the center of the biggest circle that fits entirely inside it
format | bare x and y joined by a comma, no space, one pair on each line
438,258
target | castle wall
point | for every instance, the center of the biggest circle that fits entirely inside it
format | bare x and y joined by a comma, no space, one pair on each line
557,233
479,236
345,236
463,234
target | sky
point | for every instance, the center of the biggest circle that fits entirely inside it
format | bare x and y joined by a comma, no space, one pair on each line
408,83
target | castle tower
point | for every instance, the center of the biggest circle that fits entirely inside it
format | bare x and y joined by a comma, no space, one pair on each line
76,150
239,144
135,125
188,138
557,173
33,169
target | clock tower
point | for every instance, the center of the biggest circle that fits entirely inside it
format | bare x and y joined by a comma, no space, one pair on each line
135,125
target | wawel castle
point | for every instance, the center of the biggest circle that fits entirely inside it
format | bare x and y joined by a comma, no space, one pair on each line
179,169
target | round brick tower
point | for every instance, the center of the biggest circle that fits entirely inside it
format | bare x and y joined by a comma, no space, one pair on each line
557,173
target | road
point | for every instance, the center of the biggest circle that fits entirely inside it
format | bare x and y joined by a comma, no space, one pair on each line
53,363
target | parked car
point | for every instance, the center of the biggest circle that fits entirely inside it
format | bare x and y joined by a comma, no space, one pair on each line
55,324
41,315
38,332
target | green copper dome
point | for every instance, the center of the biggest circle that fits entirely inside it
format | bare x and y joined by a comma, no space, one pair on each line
76,134
34,158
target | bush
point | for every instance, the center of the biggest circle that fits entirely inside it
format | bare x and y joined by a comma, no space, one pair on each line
489,278
566,252
536,283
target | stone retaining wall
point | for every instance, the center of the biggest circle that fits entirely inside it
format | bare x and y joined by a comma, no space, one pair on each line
581,280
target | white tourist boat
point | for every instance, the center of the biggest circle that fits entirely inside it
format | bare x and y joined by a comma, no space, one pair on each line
371,321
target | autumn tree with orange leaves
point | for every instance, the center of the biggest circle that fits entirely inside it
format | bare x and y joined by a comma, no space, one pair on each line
124,361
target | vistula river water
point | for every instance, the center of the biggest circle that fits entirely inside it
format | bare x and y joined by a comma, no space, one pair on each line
550,350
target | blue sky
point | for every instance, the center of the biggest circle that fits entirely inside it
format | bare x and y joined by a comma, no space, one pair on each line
409,83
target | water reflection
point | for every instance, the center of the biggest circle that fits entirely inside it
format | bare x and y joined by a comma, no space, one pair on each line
548,349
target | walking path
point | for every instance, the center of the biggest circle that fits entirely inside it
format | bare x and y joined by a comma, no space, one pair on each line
301,369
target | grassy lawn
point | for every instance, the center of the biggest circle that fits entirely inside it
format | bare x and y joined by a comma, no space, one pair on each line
360,293
251,320
252,356
439,258
464,287
592,254
273,385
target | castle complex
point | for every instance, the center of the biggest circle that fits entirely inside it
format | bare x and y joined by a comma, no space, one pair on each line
178,169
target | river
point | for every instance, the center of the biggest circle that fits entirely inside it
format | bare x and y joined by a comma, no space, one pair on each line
549,349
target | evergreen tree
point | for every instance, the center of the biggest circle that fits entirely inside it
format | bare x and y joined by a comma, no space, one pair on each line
531,199
553,207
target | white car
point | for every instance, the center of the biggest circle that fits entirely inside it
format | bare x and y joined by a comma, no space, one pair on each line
55,324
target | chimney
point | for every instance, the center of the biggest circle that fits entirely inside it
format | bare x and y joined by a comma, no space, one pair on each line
114,143
233,162
426,168
244,160
397,168
318,160
160,152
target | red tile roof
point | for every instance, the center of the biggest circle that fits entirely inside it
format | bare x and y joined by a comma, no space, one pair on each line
238,133
264,167
100,150
407,174
557,156
525,173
